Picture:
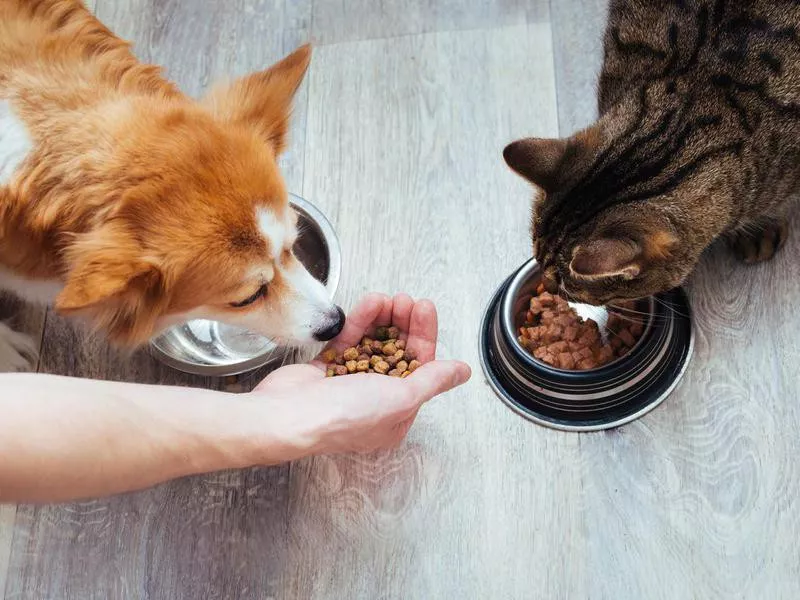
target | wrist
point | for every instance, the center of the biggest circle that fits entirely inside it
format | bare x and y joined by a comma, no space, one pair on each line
271,431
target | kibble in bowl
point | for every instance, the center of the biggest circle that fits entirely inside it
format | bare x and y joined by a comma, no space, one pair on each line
384,354
557,335
634,353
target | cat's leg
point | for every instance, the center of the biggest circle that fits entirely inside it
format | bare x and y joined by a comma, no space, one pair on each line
759,241
17,350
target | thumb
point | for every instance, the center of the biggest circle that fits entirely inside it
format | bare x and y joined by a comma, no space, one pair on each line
437,377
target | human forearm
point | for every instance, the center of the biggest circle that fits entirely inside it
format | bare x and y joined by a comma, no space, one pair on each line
64,438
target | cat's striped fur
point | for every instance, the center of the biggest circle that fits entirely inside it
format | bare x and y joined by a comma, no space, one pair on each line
698,137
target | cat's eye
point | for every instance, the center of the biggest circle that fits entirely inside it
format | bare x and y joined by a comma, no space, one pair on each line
260,293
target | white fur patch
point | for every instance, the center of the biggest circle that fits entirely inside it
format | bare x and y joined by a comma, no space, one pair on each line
15,143
311,291
279,232
17,351
32,290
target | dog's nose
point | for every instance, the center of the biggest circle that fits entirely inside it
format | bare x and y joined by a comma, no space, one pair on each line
332,330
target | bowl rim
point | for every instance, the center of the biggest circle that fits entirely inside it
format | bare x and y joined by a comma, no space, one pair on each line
490,313
506,305
333,247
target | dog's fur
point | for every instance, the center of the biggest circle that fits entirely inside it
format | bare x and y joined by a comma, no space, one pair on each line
125,202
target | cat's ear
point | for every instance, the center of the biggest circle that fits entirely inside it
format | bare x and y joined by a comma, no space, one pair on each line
607,257
536,159
543,161
621,257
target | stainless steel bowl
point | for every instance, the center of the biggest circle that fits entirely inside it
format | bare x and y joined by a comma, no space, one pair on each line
214,349
601,398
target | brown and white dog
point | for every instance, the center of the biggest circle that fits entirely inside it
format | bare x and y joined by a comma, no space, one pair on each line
125,202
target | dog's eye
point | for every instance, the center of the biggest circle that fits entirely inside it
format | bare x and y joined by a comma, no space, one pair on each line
260,293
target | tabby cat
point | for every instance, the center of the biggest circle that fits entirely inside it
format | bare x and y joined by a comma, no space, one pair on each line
698,137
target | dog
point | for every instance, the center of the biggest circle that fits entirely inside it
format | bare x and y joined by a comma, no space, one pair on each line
127,204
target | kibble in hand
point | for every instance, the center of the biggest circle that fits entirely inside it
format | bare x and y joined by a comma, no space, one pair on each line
385,355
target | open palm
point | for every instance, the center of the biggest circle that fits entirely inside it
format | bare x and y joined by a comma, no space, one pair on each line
364,412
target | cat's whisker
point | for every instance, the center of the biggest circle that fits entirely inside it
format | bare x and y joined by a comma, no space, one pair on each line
670,308
630,318
634,315
642,317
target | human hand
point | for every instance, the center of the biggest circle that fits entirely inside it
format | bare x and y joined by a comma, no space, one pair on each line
315,414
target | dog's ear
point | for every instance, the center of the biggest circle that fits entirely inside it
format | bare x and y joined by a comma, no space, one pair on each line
262,101
121,294
97,281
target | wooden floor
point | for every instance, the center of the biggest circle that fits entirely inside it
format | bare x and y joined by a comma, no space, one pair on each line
397,137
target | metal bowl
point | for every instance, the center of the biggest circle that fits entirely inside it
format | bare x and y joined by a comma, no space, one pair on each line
215,349
601,398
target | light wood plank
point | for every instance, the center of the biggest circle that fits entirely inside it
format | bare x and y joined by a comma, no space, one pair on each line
402,150
215,537
578,27
699,499
219,536
335,21
705,489
404,146
7,515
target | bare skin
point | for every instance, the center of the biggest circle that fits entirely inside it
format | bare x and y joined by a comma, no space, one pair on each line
64,439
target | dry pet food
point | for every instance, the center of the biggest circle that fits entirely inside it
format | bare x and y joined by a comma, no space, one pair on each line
555,334
386,354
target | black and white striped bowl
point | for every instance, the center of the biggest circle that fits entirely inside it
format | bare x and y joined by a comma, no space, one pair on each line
602,398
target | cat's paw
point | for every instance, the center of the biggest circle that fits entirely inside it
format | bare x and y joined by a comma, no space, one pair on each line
17,351
761,242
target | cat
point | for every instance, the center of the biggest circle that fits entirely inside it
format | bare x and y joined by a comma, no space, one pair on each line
698,137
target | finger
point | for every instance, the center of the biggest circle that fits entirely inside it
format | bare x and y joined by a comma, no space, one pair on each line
364,316
360,319
423,330
385,317
437,377
402,307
